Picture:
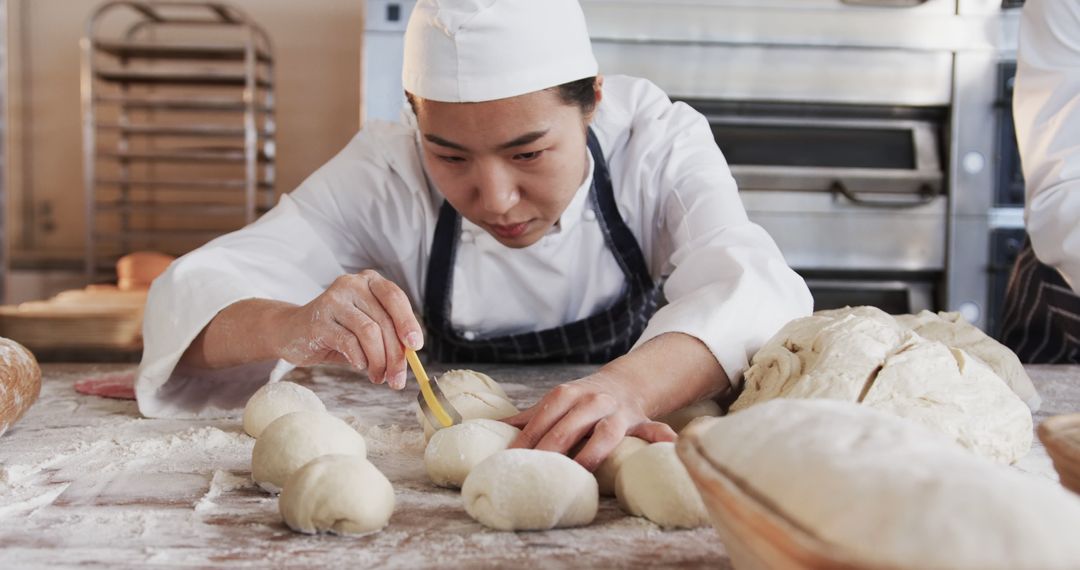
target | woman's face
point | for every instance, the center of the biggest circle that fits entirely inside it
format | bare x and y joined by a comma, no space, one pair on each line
510,166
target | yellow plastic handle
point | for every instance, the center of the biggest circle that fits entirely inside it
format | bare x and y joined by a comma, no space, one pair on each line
425,389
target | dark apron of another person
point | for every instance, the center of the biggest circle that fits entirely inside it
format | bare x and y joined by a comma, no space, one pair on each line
597,339
1042,314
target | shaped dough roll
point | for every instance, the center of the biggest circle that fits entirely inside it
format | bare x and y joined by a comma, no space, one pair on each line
338,494
527,489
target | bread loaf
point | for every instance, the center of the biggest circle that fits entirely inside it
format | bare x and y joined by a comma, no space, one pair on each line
20,382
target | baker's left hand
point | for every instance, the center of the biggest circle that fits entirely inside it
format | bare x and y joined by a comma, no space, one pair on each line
599,407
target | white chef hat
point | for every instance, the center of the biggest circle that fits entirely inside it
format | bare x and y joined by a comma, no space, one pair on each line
481,50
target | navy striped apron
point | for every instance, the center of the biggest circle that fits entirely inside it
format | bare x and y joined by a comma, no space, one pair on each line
1042,314
597,339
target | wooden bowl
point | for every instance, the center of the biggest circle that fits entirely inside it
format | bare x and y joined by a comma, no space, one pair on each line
755,533
1061,436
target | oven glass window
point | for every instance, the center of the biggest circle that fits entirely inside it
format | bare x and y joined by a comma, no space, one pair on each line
776,145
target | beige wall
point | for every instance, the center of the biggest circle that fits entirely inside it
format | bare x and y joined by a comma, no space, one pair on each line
317,50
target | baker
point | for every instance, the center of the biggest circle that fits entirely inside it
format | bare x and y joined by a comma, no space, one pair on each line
529,209
1042,302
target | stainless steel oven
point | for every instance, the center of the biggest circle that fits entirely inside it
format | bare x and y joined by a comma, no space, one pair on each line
863,134
854,195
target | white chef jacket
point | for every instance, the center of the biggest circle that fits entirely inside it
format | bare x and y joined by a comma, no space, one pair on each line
1046,107
372,207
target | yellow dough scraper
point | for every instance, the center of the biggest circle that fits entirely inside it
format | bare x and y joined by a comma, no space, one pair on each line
435,405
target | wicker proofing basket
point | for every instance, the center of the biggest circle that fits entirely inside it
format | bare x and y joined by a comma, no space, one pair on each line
1061,436
98,317
755,534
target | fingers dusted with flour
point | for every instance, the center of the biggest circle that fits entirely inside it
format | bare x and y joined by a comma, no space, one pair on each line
365,318
595,413
362,319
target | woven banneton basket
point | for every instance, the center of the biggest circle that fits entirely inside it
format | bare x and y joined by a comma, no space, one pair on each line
756,535
1061,436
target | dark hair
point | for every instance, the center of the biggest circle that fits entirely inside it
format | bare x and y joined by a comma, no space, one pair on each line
581,92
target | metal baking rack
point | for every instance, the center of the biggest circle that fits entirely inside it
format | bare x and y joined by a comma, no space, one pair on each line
178,126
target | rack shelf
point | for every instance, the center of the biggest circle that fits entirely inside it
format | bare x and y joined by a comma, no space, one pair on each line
200,78
229,156
197,131
182,52
178,126
189,103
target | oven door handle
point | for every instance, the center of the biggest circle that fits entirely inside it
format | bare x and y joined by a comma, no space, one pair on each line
926,195
885,3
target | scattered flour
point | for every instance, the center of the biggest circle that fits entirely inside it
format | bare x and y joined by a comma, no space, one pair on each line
86,480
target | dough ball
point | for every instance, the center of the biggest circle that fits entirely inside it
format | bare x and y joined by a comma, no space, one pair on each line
654,484
339,494
679,418
471,406
275,400
889,491
863,355
459,381
605,474
527,489
952,330
453,452
701,422
296,438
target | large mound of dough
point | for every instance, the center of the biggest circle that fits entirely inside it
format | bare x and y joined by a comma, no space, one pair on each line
952,330
891,492
474,395
865,355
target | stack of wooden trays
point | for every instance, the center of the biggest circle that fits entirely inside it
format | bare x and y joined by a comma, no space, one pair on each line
95,317
1061,436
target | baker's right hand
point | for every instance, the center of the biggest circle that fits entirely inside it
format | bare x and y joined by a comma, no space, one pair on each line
362,319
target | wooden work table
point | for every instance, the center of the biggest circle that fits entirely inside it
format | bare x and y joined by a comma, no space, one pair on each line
86,481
